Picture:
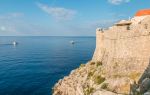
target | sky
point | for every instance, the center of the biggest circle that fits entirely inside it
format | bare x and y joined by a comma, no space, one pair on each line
63,17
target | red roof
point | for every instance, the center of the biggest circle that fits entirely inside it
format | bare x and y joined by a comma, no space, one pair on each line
143,12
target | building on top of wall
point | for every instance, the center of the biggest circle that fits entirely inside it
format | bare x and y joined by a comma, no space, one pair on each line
119,40
139,22
143,12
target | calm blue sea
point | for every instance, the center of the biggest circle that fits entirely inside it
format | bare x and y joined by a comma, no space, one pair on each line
37,63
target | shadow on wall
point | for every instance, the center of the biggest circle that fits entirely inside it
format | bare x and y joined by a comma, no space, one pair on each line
143,85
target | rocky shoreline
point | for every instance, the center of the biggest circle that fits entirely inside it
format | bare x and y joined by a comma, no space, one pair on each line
88,79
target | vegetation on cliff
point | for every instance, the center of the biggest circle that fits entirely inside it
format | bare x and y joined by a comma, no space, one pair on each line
86,80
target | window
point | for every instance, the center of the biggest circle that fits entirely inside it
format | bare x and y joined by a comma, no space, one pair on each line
128,27
146,26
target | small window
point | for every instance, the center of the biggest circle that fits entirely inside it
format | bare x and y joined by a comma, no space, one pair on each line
146,26
139,22
128,27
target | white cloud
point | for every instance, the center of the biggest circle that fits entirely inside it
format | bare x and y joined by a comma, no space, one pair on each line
16,14
2,28
11,15
117,2
12,24
15,24
58,13
8,22
7,28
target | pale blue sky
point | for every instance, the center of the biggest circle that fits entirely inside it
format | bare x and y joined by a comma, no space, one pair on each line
63,17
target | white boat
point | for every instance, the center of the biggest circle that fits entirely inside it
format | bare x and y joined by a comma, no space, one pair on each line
72,42
14,43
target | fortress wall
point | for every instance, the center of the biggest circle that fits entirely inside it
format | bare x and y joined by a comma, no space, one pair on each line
125,44
128,48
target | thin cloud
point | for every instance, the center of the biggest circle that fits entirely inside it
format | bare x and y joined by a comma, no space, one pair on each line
11,15
8,21
12,24
59,13
117,2
2,28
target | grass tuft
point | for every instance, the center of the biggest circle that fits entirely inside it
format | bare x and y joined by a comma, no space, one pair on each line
104,86
88,90
99,63
99,79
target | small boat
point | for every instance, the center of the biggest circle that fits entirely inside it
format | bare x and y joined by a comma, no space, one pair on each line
72,42
14,43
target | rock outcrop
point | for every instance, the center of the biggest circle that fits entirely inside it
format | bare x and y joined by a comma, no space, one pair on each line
120,64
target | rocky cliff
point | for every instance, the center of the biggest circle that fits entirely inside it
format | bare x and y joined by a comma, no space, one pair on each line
118,66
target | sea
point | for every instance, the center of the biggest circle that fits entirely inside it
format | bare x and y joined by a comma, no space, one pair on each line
36,63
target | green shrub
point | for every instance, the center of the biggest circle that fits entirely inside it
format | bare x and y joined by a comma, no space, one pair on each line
82,65
88,90
104,86
92,63
99,63
90,74
99,79
115,65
